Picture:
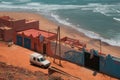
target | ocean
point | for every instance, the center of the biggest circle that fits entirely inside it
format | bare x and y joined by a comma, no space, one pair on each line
99,19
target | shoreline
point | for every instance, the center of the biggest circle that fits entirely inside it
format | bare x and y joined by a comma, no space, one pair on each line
51,26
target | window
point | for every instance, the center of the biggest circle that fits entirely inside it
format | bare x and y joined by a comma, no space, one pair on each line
42,59
38,60
34,58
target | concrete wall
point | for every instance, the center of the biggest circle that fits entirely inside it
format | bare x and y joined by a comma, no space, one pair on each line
22,25
8,35
18,24
6,22
110,65
34,24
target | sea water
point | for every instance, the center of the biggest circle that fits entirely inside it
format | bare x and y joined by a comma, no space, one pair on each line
99,19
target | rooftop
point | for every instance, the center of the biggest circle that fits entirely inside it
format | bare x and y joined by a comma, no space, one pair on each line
36,33
7,18
5,28
31,20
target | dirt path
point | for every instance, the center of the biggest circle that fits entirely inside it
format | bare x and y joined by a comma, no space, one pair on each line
19,56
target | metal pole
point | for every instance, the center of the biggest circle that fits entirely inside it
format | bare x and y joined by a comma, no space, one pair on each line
100,46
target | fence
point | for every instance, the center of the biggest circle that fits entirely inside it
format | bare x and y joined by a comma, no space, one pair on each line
106,64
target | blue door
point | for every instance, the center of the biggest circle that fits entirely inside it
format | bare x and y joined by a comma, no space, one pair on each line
19,40
27,43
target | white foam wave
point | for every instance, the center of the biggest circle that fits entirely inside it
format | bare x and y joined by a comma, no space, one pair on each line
7,3
118,11
33,4
86,8
95,7
94,4
105,9
62,21
117,19
22,1
52,6
112,41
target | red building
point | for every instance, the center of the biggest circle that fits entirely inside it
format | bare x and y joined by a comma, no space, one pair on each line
8,26
26,33
37,40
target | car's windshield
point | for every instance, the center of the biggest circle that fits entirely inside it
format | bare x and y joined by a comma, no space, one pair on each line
42,59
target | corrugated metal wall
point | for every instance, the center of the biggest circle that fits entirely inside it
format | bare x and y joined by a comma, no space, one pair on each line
110,65
75,57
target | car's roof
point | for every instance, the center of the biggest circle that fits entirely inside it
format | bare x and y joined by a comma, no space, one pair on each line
36,55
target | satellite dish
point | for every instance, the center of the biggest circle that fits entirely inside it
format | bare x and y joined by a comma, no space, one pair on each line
41,38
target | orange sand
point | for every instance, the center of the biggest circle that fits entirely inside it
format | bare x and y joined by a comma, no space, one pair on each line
19,57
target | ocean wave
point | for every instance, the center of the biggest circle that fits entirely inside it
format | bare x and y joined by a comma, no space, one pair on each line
61,21
7,3
118,11
22,1
94,4
113,41
103,9
33,4
95,7
14,1
117,19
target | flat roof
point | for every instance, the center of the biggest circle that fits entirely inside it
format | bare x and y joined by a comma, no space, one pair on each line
7,18
5,28
36,33
30,20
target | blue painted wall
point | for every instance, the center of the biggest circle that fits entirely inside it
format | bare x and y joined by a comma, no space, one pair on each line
110,65
27,43
19,40
75,57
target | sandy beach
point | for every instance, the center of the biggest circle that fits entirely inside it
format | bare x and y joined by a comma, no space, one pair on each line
51,26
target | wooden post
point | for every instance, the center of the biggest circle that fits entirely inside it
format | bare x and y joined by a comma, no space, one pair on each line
58,39
55,46
59,46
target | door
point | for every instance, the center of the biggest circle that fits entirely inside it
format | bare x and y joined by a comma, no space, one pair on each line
44,48
27,43
35,47
1,36
92,63
19,40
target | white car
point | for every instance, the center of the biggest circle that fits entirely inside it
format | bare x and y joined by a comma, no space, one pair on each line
39,60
